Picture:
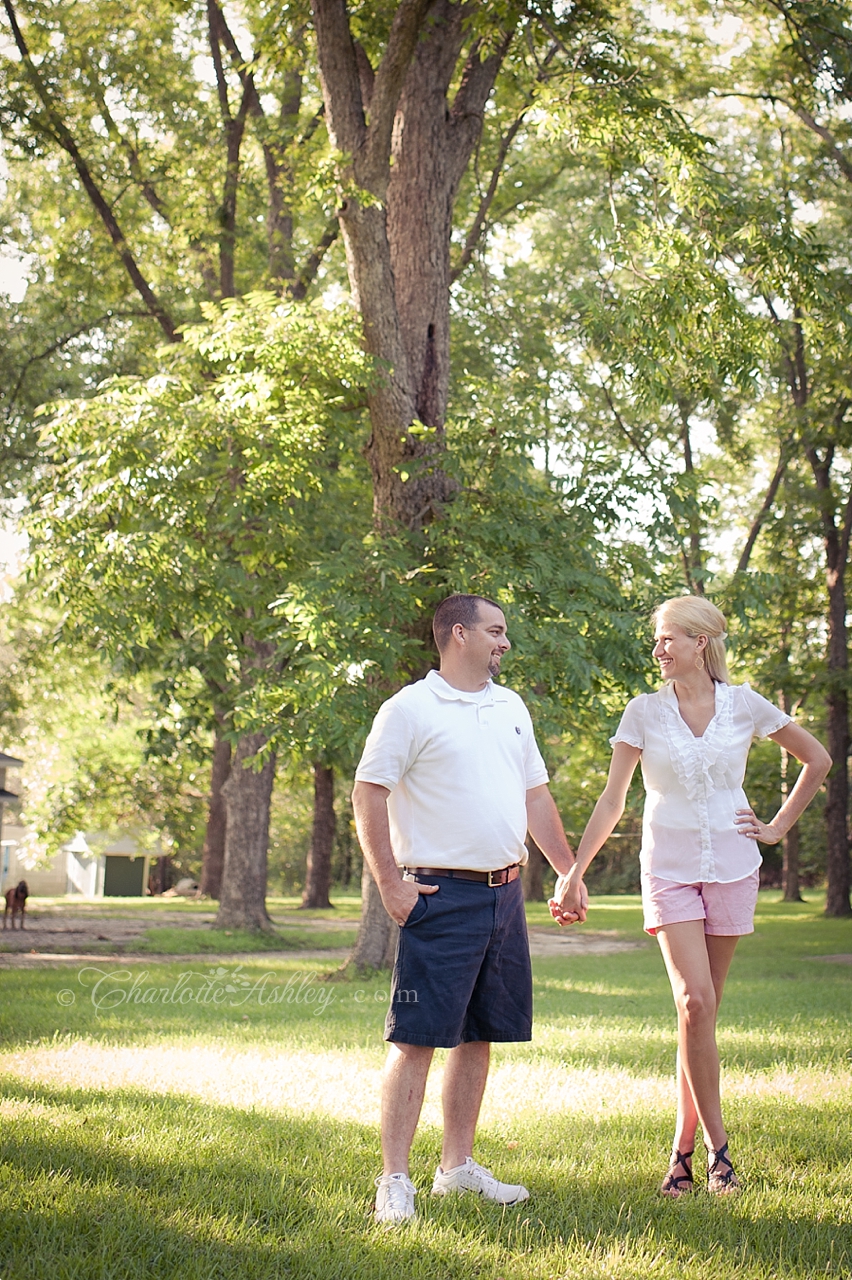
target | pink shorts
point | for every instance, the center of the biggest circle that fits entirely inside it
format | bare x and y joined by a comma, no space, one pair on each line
726,909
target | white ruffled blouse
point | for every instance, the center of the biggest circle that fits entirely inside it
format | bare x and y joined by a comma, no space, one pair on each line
694,786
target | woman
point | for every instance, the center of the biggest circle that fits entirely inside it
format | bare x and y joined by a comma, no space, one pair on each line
699,858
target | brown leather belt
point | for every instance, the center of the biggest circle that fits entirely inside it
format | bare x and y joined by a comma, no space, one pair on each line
504,876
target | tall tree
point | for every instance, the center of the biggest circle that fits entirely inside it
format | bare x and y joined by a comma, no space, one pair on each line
144,151
801,76
405,115
185,501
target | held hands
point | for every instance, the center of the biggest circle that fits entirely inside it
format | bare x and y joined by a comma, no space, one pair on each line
750,825
570,899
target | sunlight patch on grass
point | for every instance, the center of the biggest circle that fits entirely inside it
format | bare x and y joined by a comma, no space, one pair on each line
346,1085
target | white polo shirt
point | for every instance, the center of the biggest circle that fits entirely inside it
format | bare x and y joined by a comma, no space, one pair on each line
458,766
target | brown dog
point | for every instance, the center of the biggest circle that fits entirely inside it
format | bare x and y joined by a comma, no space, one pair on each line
16,901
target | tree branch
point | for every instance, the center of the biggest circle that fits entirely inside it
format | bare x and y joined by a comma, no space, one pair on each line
339,74
478,225
623,427
65,140
794,360
312,126
300,287
60,343
239,63
235,130
144,184
387,86
846,528
766,505
366,75
214,14
843,163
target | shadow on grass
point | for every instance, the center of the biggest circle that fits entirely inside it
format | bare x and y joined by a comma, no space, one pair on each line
115,1186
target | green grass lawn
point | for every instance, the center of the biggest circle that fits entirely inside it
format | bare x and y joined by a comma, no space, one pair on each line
219,1119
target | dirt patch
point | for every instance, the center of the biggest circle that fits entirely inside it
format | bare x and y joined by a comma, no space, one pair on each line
54,932
571,942
51,929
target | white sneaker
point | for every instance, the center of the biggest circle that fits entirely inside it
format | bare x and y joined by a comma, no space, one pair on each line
394,1198
471,1176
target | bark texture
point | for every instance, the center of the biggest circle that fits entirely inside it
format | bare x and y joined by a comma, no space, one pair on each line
405,142
213,856
247,797
692,551
318,870
836,537
407,146
790,845
375,946
790,866
162,875
836,540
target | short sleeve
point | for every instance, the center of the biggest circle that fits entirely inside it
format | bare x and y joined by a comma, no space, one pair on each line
766,717
390,749
632,727
535,770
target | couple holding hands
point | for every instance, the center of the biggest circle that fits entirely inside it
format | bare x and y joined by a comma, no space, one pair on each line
451,780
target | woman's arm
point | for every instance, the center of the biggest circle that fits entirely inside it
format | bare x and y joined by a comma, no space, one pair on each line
816,763
566,898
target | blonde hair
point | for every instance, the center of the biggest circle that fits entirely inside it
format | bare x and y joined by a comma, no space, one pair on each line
698,617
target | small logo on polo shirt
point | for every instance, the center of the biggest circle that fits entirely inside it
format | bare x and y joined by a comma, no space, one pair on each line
518,730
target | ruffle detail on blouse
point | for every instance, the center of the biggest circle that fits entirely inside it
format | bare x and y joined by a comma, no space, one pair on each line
625,737
782,724
700,763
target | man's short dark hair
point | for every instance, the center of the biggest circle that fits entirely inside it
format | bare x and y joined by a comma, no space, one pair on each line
454,610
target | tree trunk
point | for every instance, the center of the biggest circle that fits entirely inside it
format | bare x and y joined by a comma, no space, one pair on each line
532,874
790,867
693,558
247,798
837,801
789,844
837,699
213,856
409,160
163,873
375,946
318,871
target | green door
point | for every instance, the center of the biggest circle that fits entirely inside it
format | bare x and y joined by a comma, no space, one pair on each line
123,877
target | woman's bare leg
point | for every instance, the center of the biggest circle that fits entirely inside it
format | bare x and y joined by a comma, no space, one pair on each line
697,966
720,952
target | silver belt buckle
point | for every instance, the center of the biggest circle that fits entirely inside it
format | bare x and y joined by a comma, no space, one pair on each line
492,883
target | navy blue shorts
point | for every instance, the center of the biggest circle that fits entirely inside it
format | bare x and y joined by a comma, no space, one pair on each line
462,968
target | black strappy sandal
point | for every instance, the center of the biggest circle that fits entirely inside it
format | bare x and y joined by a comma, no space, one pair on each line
678,1184
721,1178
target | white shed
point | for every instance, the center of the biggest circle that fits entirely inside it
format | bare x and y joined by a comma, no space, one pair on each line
117,867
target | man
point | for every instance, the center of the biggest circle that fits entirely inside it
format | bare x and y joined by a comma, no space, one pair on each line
449,783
